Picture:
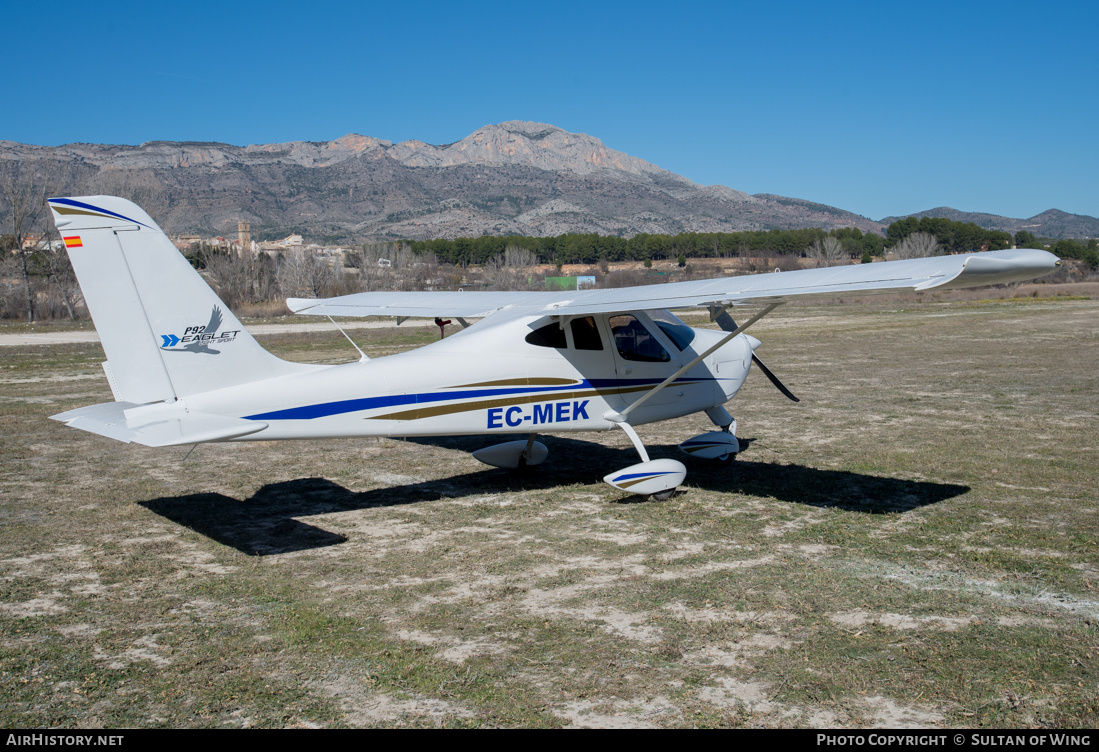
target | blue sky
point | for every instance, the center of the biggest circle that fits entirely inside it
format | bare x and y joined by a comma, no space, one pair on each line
878,108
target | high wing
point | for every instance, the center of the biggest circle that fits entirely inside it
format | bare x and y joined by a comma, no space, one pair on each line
937,272
463,304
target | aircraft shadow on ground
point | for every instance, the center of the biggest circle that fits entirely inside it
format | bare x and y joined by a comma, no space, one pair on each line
266,523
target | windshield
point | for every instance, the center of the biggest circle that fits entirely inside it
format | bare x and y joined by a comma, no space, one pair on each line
679,333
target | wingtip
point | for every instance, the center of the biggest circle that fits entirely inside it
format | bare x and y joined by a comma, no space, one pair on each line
300,305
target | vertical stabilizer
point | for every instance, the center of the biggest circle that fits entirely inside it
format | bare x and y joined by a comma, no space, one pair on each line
165,332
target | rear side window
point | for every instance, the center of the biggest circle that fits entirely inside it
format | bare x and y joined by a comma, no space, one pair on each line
585,335
550,335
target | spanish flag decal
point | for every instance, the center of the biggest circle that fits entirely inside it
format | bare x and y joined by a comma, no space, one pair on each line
73,242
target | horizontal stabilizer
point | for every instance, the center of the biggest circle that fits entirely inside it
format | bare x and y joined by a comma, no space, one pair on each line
127,422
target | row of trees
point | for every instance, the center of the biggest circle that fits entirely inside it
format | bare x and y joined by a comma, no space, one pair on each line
243,280
1086,251
590,248
952,237
848,242
958,237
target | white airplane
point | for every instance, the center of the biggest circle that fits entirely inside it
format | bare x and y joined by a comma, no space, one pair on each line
183,370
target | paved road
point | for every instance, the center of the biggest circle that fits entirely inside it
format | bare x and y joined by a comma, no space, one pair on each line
57,338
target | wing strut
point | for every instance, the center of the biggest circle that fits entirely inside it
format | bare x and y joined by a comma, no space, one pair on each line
616,417
363,358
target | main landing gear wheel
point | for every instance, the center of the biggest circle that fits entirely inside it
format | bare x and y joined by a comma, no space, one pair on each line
663,495
514,455
715,445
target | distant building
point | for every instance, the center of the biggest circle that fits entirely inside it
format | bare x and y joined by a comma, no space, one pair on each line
244,236
569,283
183,242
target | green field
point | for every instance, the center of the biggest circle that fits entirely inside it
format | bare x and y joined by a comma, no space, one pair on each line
914,544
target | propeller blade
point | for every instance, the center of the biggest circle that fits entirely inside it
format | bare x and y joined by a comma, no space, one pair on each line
774,379
725,321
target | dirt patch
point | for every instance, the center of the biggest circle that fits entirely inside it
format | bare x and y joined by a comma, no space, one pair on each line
888,713
363,707
738,653
902,621
620,714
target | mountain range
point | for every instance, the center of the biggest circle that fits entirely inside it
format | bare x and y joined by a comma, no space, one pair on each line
512,178
1052,223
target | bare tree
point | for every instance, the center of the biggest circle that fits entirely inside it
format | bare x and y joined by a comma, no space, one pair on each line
517,257
11,292
511,270
389,265
371,262
60,271
917,245
237,278
306,275
427,274
827,252
26,191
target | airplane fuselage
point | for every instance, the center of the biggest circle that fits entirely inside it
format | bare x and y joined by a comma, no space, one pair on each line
532,386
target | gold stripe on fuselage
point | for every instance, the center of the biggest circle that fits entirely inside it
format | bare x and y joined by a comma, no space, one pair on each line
523,399
529,381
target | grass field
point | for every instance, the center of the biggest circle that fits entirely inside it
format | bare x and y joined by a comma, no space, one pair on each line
914,544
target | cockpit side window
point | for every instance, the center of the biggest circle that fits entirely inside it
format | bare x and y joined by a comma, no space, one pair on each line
550,335
635,342
585,335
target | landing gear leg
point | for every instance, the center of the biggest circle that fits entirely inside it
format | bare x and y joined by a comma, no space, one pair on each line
514,455
526,456
721,418
636,440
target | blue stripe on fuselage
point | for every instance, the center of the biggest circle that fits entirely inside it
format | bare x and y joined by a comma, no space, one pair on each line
325,409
